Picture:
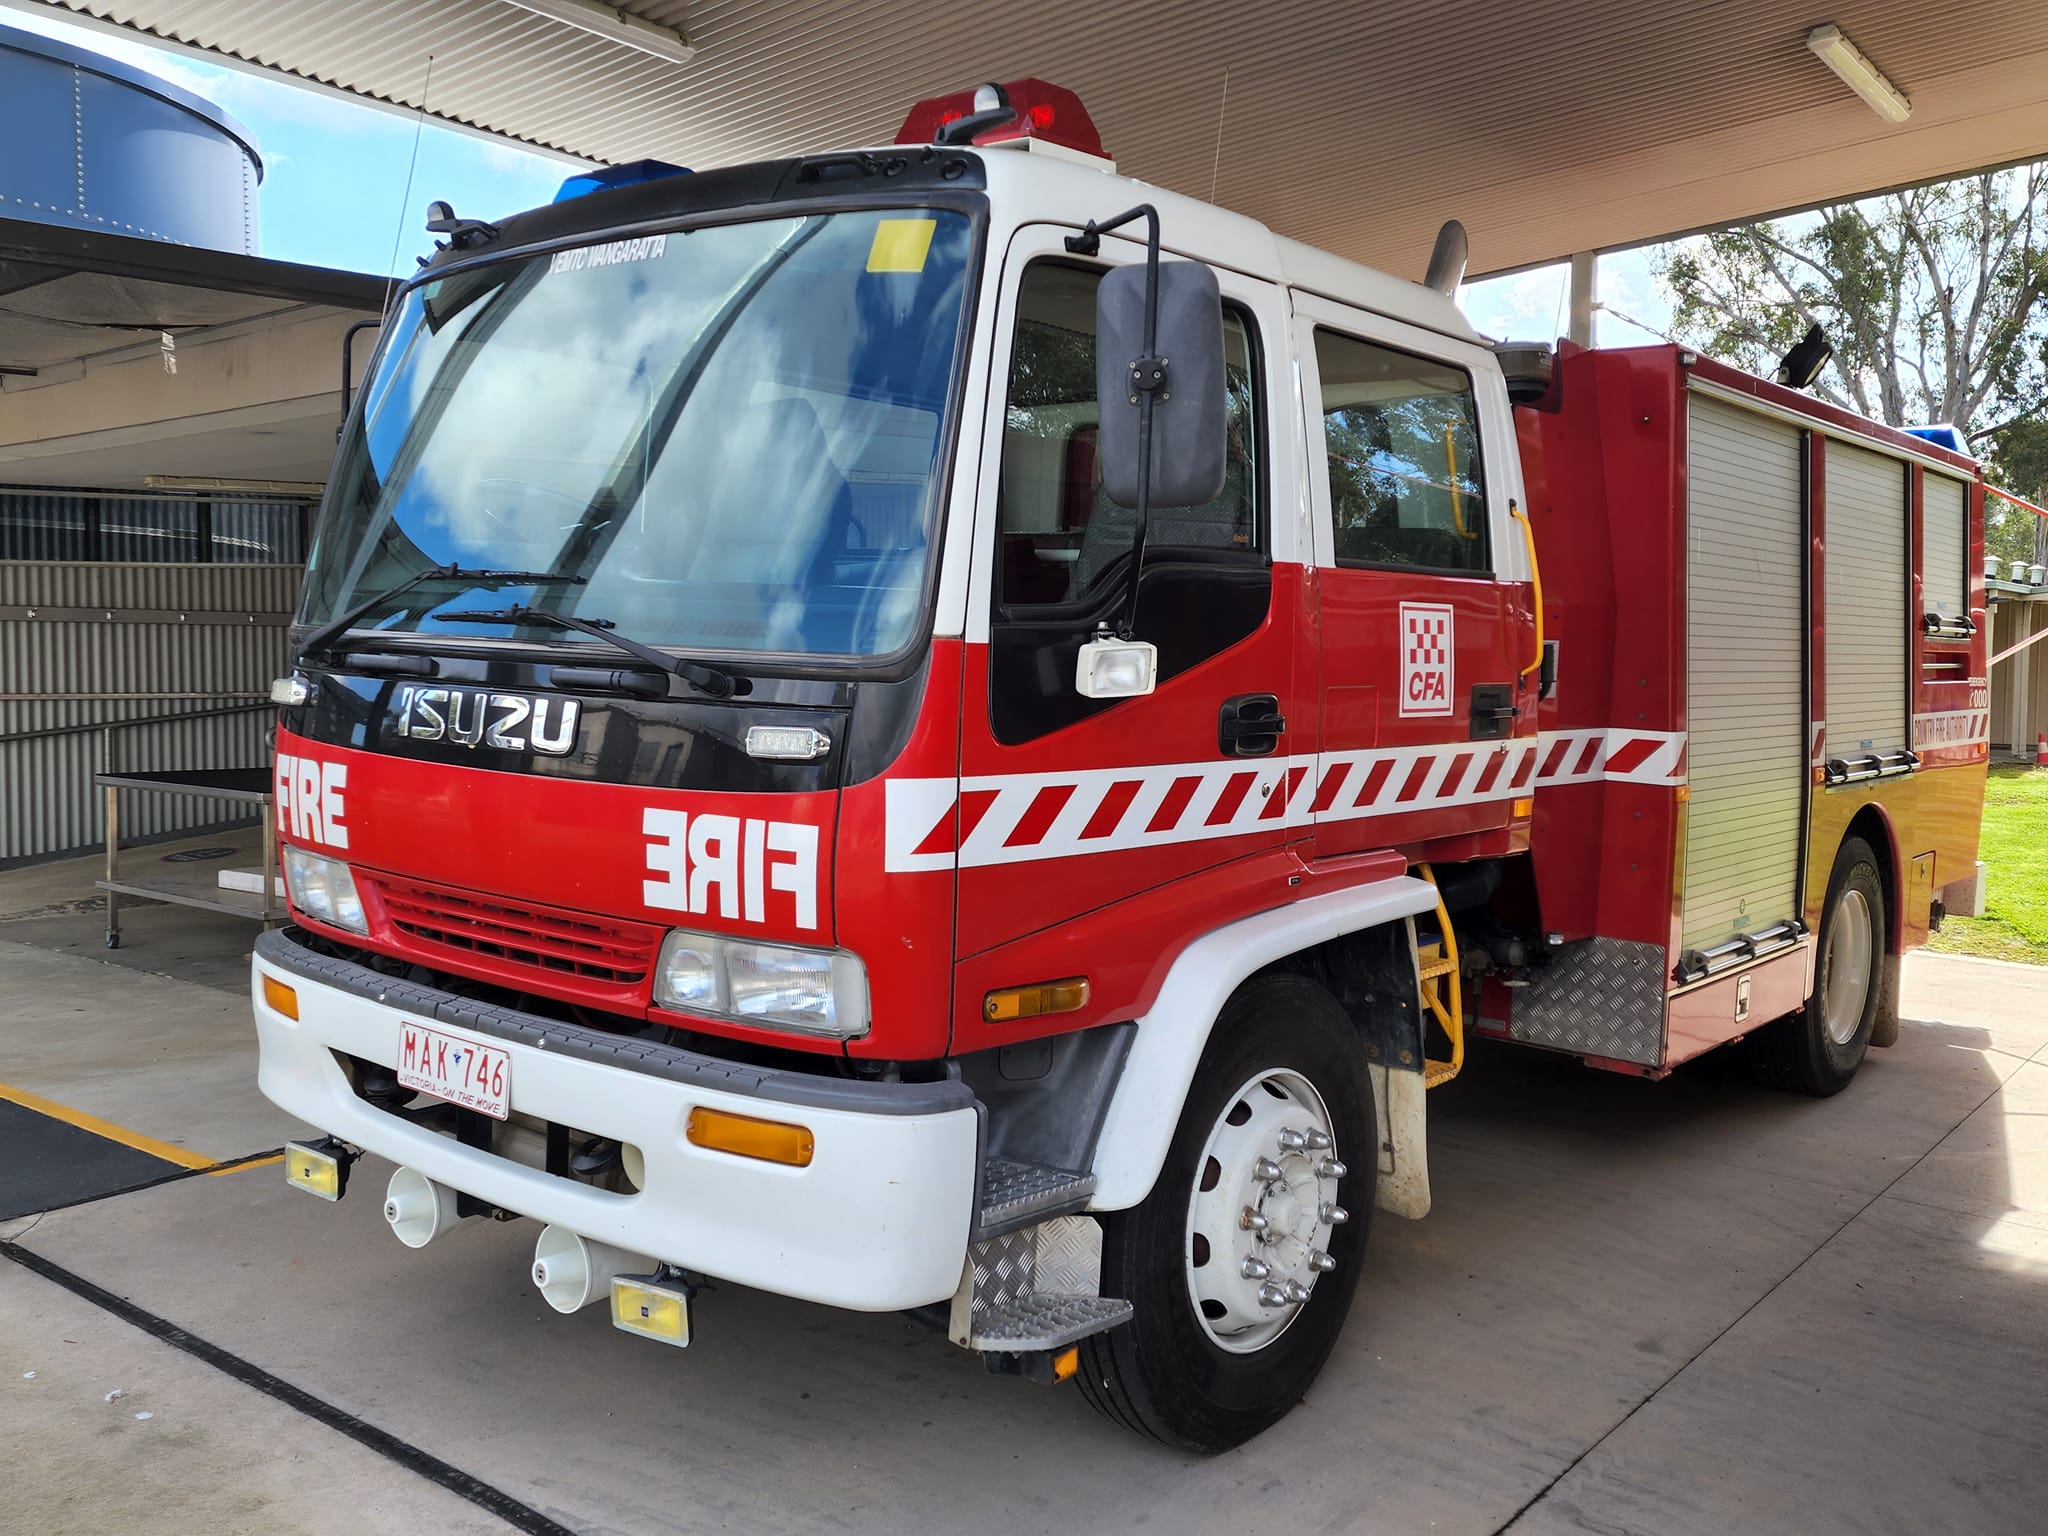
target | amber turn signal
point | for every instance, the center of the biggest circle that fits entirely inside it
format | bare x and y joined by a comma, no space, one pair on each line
1029,1002
280,997
772,1141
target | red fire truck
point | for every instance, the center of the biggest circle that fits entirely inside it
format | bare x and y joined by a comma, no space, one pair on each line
931,729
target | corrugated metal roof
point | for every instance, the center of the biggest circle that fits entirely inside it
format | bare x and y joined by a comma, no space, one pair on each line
1547,125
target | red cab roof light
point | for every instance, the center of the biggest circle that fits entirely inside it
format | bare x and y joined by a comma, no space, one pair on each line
1044,111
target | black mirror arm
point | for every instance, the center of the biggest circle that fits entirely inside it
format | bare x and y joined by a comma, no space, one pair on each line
1148,380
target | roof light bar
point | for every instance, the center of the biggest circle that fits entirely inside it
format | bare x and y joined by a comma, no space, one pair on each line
614,26
1831,45
1042,113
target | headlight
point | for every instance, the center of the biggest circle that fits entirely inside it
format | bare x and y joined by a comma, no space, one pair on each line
812,991
324,890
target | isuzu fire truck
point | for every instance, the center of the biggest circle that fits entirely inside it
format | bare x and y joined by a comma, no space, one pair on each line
935,729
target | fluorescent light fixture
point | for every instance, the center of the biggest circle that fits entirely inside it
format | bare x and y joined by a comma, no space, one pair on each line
1831,45
614,26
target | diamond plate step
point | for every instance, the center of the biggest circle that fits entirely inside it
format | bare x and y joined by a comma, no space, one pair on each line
1034,1322
1015,1194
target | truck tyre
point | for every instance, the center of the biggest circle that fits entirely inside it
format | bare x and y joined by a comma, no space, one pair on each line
1818,1049
1242,1261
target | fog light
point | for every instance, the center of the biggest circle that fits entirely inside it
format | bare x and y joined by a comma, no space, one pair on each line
320,1169
772,1141
645,1305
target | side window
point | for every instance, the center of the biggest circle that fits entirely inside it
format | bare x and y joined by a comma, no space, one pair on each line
1063,541
1063,557
1401,447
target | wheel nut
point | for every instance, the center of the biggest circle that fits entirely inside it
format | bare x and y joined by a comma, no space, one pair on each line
1252,1221
1255,1269
1320,1261
1292,1141
1318,1141
1266,1171
1271,1295
1335,1215
1296,1292
1330,1168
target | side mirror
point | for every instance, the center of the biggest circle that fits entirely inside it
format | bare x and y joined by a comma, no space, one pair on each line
1186,403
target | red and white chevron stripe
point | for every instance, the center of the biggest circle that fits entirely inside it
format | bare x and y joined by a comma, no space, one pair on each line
1017,818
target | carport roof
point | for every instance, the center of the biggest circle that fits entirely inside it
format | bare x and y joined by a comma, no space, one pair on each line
1548,126
67,295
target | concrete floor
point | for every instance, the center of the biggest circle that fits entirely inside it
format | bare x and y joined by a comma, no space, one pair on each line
1692,1306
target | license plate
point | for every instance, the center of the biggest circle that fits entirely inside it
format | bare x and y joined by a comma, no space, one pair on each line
461,1071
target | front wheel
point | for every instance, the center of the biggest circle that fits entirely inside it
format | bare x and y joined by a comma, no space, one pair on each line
1242,1262
1818,1049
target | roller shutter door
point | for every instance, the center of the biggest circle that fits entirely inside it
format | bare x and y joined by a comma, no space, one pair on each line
1745,667
1865,622
1942,546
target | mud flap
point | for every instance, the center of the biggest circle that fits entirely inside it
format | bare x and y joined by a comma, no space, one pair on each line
1403,1185
1884,1029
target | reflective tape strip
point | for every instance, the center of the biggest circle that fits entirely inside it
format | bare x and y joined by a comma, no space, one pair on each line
1952,728
1020,818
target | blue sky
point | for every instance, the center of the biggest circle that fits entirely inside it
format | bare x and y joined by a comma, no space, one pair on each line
335,173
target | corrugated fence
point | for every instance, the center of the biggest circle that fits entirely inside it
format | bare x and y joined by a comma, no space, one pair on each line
85,645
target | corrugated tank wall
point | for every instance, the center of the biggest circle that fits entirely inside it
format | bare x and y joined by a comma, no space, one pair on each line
87,645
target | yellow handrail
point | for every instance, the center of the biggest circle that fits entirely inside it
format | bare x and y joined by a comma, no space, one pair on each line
1535,580
1442,967
1457,502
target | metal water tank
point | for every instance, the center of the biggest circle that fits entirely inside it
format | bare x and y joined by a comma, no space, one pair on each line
96,144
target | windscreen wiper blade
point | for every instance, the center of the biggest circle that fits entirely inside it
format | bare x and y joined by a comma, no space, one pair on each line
334,629
714,681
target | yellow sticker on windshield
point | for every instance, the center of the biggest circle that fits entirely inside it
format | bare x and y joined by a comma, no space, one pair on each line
901,245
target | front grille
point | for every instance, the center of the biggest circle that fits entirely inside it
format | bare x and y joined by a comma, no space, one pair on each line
544,939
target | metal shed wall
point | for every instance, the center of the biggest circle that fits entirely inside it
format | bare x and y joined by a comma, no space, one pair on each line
85,646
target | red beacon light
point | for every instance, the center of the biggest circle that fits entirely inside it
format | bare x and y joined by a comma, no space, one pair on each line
1025,114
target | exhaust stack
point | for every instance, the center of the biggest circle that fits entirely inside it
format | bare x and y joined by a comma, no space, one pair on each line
420,1210
1447,260
573,1272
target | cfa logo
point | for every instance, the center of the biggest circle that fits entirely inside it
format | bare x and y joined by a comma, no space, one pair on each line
1428,650
699,860
309,799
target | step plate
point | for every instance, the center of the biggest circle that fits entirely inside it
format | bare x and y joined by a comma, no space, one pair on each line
1015,1194
1035,1322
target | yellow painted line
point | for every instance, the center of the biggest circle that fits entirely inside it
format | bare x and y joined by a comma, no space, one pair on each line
254,1162
184,1157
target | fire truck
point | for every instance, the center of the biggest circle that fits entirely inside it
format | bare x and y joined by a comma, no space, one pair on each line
934,729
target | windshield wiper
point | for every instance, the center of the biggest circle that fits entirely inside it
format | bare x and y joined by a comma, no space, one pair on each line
334,629
714,681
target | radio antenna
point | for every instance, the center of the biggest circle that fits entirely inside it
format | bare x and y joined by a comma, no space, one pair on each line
1216,166
405,198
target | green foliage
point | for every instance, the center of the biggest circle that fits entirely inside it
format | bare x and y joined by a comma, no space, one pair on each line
1936,300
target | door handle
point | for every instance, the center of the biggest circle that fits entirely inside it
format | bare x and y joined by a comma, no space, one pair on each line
1250,725
1493,710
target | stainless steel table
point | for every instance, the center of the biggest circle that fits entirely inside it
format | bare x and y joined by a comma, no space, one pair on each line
246,786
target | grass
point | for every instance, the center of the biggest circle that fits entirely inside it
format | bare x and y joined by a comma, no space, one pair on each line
2014,849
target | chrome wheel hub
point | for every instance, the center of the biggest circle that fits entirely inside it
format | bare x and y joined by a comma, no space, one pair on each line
1263,1208
1845,977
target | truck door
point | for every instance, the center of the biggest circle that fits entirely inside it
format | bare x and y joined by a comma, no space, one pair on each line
1070,807
1411,472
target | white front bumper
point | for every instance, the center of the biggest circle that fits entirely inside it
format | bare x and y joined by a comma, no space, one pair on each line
877,1222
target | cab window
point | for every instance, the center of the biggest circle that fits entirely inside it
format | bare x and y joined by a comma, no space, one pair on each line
1401,449
1064,548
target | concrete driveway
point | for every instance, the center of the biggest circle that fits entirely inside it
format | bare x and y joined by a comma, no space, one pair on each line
1690,1306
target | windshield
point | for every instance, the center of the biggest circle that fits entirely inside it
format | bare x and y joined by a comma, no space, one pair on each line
722,439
